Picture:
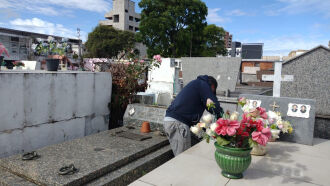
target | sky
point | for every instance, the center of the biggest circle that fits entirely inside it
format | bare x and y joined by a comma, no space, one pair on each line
282,25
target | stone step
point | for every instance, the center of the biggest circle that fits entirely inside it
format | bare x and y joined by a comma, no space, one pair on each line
94,156
134,170
9,179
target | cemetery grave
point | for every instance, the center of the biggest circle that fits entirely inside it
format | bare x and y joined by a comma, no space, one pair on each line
104,158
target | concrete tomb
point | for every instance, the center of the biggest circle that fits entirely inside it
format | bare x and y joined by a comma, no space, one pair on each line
311,81
292,109
104,158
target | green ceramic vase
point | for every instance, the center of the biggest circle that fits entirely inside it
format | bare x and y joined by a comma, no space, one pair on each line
232,161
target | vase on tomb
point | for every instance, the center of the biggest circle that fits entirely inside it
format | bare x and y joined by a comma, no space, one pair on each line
275,135
258,150
9,65
52,64
145,128
232,161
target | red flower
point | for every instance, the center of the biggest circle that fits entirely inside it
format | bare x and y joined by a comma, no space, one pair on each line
262,137
227,127
262,112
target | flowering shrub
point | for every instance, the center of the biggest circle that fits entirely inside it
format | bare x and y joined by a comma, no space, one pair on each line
50,47
125,83
237,131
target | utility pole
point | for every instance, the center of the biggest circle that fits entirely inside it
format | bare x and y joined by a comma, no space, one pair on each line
79,45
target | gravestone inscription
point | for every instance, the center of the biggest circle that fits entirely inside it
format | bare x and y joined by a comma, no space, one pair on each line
303,127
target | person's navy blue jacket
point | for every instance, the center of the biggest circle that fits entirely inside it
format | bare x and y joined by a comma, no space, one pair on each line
190,103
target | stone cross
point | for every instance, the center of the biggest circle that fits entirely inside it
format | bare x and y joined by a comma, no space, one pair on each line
274,106
277,78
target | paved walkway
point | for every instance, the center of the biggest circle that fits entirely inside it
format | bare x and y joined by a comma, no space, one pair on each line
284,164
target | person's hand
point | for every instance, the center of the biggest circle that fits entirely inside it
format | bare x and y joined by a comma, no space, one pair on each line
209,102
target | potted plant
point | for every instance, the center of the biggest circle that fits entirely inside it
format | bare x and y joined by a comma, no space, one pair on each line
49,48
235,136
18,65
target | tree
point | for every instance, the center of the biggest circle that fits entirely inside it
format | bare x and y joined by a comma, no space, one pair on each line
213,43
108,42
172,28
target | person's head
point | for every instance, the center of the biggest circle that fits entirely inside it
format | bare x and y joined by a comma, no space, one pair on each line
213,84
303,108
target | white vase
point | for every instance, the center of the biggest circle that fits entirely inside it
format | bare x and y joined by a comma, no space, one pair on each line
258,150
275,134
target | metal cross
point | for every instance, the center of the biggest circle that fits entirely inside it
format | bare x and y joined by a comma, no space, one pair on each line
274,106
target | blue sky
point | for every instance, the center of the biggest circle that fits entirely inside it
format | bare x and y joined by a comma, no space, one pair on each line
282,25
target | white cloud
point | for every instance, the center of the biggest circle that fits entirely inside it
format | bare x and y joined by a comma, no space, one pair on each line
284,44
44,27
213,16
56,7
236,12
321,7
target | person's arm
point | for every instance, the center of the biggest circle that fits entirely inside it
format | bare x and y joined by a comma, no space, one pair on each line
208,98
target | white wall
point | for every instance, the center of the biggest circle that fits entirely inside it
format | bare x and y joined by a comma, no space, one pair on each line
161,80
39,108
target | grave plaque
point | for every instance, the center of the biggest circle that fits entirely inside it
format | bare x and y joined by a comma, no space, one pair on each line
303,127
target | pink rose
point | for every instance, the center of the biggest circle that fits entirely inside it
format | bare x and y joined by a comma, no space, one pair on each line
262,137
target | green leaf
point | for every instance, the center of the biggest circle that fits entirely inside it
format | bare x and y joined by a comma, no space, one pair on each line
252,143
222,142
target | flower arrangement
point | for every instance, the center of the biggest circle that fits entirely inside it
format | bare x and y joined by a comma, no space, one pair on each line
50,47
233,130
18,64
277,124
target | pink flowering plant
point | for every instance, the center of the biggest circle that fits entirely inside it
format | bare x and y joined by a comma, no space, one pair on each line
233,130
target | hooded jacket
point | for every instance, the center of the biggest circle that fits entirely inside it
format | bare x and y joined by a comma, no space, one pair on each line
190,103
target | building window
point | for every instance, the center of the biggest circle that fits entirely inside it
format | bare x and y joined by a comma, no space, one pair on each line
131,18
137,29
137,20
130,28
110,18
126,10
116,18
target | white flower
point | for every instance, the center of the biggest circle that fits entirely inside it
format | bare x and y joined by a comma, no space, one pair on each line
34,46
234,116
207,118
273,115
50,39
195,129
202,125
209,132
213,127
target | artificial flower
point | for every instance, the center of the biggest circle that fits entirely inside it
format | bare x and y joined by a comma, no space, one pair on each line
234,116
242,101
227,127
195,129
207,118
213,126
262,112
261,137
